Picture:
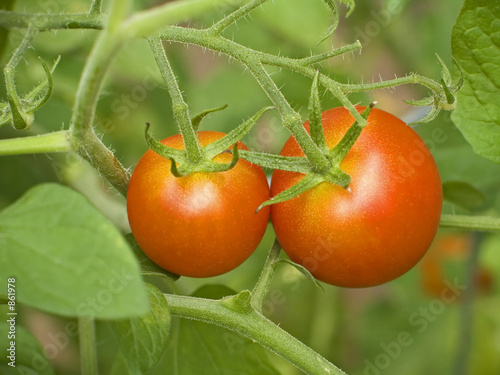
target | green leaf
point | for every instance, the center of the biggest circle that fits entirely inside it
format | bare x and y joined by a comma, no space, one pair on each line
205,349
463,194
29,355
476,48
67,258
142,341
304,271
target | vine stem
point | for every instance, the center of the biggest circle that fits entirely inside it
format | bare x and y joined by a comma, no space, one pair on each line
179,106
83,138
88,354
253,325
477,223
50,142
261,288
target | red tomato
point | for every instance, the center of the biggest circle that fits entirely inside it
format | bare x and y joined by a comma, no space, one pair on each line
378,228
202,224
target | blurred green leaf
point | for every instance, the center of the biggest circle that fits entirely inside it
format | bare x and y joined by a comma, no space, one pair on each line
205,349
29,355
143,341
476,47
67,258
463,194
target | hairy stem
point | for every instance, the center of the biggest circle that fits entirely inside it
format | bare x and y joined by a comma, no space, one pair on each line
179,106
476,223
249,323
261,288
84,140
50,142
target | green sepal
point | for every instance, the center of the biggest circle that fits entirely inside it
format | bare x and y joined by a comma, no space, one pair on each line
308,182
162,150
233,136
174,170
220,167
304,271
196,120
450,98
315,120
445,73
48,83
285,163
338,177
340,150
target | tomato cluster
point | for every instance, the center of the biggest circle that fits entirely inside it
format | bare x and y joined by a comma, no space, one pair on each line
205,224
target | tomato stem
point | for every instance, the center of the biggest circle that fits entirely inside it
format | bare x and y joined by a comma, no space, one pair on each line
315,120
253,325
179,106
261,288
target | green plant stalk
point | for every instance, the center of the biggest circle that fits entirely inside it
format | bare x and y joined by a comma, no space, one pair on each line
46,22
50,142
249,323
291,119
150,21
261,288
83,138
179,106
473,223
218,27
88,354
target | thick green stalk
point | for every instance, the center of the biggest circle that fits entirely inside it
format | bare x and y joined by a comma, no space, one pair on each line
50,142
261,288
179,106
251,324
83,138
477,223
45,22
150,21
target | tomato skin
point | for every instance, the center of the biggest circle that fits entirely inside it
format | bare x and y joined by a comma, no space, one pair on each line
202,224
381,226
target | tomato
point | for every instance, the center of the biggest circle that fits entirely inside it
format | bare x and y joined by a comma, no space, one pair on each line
378,228
202,224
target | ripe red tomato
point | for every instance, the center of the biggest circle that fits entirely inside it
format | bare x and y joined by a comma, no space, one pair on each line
378,228
202,224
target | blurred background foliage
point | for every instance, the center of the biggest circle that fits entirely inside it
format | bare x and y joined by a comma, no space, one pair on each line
409,326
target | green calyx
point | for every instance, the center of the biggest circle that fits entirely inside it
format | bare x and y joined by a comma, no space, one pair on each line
183,165
314,174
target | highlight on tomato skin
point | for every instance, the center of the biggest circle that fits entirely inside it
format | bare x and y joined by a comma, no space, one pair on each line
381,226
202,224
